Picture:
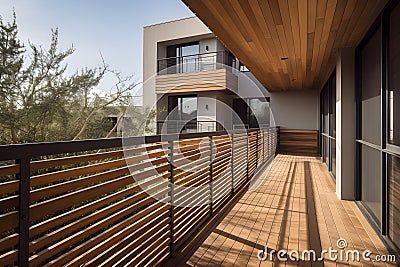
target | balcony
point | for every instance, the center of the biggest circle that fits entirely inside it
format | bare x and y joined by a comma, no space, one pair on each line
208,71
175,200
295,208
195,126
195,63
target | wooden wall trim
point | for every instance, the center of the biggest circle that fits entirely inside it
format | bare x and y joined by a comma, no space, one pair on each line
301,142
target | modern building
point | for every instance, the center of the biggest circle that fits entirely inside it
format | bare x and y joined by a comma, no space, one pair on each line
328,71
346,53
330,66
190,75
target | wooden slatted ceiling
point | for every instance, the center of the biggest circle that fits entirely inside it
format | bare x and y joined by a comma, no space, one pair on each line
307,32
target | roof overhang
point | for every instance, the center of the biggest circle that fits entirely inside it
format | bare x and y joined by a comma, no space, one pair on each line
288,44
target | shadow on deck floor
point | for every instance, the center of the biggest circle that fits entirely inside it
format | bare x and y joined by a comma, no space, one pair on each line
295,208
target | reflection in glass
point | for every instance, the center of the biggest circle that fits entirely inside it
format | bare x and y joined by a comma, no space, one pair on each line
371,90
189,57
371,181
251,112
182,114
394,77
333,153
259,113
394,199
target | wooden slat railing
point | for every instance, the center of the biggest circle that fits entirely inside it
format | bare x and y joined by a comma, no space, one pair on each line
303,142
128,201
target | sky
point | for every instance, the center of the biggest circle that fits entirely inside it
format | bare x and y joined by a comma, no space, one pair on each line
112,29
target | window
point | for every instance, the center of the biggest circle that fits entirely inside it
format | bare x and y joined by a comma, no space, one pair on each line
371,89
371,130
377,147
328,123
183,58
394,78
394,198
182,113
251,112
393,124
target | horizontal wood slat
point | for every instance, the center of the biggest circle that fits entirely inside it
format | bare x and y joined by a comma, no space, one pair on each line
113,207
288,45
304,142
188,82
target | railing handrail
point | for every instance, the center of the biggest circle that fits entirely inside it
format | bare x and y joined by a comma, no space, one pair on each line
199,54
29,150
102,183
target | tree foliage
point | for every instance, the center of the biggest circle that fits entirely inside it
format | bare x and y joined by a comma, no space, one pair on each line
40,102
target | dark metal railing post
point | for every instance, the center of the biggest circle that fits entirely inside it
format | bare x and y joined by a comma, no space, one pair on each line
171,194
211,175
247,155
232,164
24,191
263,145
270,138
257,149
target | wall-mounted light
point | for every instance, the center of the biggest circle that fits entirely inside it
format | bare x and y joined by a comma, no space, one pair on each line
206,106
206,47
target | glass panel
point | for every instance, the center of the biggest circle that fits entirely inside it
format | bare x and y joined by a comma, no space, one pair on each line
187,107
371,181
326,150
325,110
394,199
371,90
333,155
240,117
394,77
333,106
190,57
259,112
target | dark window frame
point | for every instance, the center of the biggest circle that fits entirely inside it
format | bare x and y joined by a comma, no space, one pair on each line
328,119
386,149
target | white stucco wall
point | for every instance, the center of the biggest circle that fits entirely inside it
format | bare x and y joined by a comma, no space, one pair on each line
345,124
178,31
296,110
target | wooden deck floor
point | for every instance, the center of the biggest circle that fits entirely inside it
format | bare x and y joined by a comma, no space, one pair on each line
295,208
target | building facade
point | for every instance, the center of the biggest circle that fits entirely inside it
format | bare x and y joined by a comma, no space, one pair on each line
346,53
334,70
195,82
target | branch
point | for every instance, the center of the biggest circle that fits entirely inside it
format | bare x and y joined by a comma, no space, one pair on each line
117,124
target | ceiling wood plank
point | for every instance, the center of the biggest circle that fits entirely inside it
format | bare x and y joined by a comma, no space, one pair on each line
292,63
359,27
294,19
302,4
308,32
353,20
337,20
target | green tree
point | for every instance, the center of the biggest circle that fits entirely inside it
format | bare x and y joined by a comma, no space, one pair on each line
11,59
40,102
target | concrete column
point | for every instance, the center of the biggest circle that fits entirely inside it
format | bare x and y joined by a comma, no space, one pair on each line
345,124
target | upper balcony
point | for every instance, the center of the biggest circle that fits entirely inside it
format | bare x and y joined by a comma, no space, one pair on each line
198,72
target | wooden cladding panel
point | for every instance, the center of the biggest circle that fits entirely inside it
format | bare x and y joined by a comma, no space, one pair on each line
197,81
307,32
113,207
298,142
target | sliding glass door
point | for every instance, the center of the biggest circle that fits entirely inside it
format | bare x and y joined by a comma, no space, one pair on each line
378,124
182,114
328,124
393,124
370,125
